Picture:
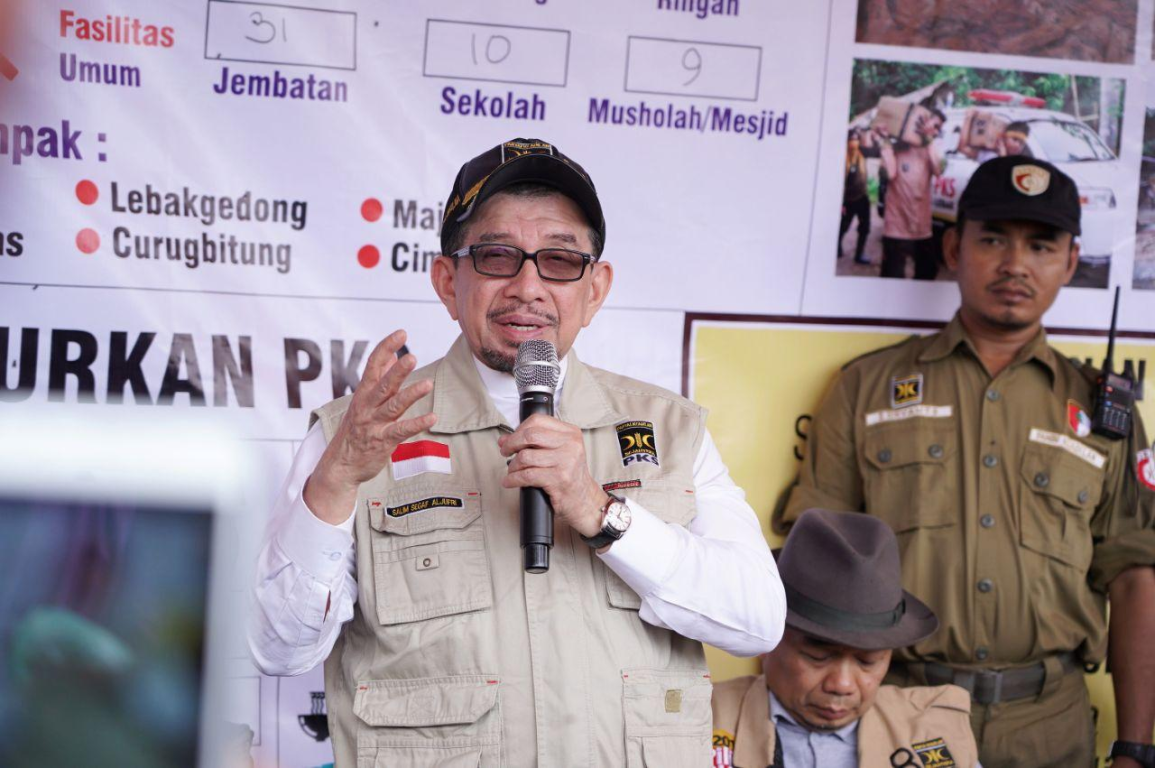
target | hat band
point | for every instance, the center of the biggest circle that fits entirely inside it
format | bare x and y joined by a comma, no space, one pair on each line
836,618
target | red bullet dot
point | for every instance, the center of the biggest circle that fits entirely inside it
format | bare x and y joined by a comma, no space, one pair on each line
86,192
371,209
368,257
87,241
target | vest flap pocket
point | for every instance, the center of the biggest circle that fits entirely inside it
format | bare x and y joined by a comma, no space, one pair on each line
425,702
671,706
417,509
668,502
429,556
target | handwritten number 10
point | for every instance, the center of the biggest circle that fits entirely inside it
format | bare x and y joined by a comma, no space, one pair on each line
497,48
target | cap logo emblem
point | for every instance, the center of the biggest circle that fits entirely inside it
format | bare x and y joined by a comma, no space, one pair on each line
1031,180
512,149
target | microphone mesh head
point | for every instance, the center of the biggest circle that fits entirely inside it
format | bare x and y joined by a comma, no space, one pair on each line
536,368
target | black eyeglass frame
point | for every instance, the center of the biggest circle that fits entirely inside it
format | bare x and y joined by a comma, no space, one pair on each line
471,251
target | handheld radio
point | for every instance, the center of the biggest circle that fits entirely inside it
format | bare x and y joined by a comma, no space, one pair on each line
1114,393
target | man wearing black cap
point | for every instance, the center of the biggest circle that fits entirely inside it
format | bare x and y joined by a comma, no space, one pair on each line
846,611
1014,519
394,551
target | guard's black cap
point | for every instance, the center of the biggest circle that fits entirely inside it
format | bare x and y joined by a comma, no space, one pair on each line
516,161
1017,187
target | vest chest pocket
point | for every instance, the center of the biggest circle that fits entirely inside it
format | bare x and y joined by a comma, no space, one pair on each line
670,503
910,476
429,556
668,717
1058,495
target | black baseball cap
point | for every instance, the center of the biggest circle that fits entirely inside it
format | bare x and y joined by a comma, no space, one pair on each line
514,161
1018,187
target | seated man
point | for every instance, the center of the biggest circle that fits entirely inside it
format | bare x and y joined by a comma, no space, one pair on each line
846,610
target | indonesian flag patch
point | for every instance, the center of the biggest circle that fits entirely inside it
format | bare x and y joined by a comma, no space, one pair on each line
1077,419
1145,468
421,456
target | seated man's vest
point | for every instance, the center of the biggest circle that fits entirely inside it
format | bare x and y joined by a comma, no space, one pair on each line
921,727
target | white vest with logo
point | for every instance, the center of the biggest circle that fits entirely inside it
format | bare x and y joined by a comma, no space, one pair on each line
457,657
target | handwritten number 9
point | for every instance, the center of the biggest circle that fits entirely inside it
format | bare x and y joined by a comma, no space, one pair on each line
692,62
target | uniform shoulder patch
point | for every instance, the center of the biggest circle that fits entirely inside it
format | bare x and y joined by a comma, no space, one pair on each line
1145,468
1077,419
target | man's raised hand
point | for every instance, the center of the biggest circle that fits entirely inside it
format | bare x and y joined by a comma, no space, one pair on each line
371,430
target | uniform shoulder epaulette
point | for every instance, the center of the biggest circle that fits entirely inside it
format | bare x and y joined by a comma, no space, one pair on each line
880,350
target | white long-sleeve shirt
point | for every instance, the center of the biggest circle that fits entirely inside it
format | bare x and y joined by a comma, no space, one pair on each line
713,581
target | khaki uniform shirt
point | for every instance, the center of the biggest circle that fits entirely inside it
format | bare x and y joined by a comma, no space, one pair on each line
1011,516
456,656
921,727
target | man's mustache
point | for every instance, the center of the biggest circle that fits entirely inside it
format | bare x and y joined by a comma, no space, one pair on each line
1015,282
497,314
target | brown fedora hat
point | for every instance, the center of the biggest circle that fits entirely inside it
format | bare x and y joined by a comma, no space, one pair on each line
843,581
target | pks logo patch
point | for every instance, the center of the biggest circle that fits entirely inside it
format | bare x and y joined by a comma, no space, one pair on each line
1031,180
1145,468
636,439
723,749
424,505
1077,419
934,754
906,390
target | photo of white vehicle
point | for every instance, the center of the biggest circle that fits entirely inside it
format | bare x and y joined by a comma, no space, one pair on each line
934,125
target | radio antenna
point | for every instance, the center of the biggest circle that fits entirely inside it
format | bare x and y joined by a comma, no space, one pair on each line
1109,362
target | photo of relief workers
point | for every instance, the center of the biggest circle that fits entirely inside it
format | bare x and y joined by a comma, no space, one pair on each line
1144,273
918,131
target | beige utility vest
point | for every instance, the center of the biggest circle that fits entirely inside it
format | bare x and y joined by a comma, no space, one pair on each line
457,657
921,727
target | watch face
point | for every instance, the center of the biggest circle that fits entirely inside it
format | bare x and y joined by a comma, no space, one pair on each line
618,517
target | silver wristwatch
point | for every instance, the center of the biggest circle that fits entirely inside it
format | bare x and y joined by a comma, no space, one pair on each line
616,520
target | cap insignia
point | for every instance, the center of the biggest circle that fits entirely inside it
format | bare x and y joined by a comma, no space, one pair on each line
1031,180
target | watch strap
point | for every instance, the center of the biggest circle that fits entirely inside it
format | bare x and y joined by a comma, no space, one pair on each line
1143,753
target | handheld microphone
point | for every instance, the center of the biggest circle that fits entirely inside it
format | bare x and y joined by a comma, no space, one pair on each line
536,372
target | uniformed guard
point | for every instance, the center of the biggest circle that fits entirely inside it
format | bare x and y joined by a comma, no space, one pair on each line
394,552
846,611
1015,519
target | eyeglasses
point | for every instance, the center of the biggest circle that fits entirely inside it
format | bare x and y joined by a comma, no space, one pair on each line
560,265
